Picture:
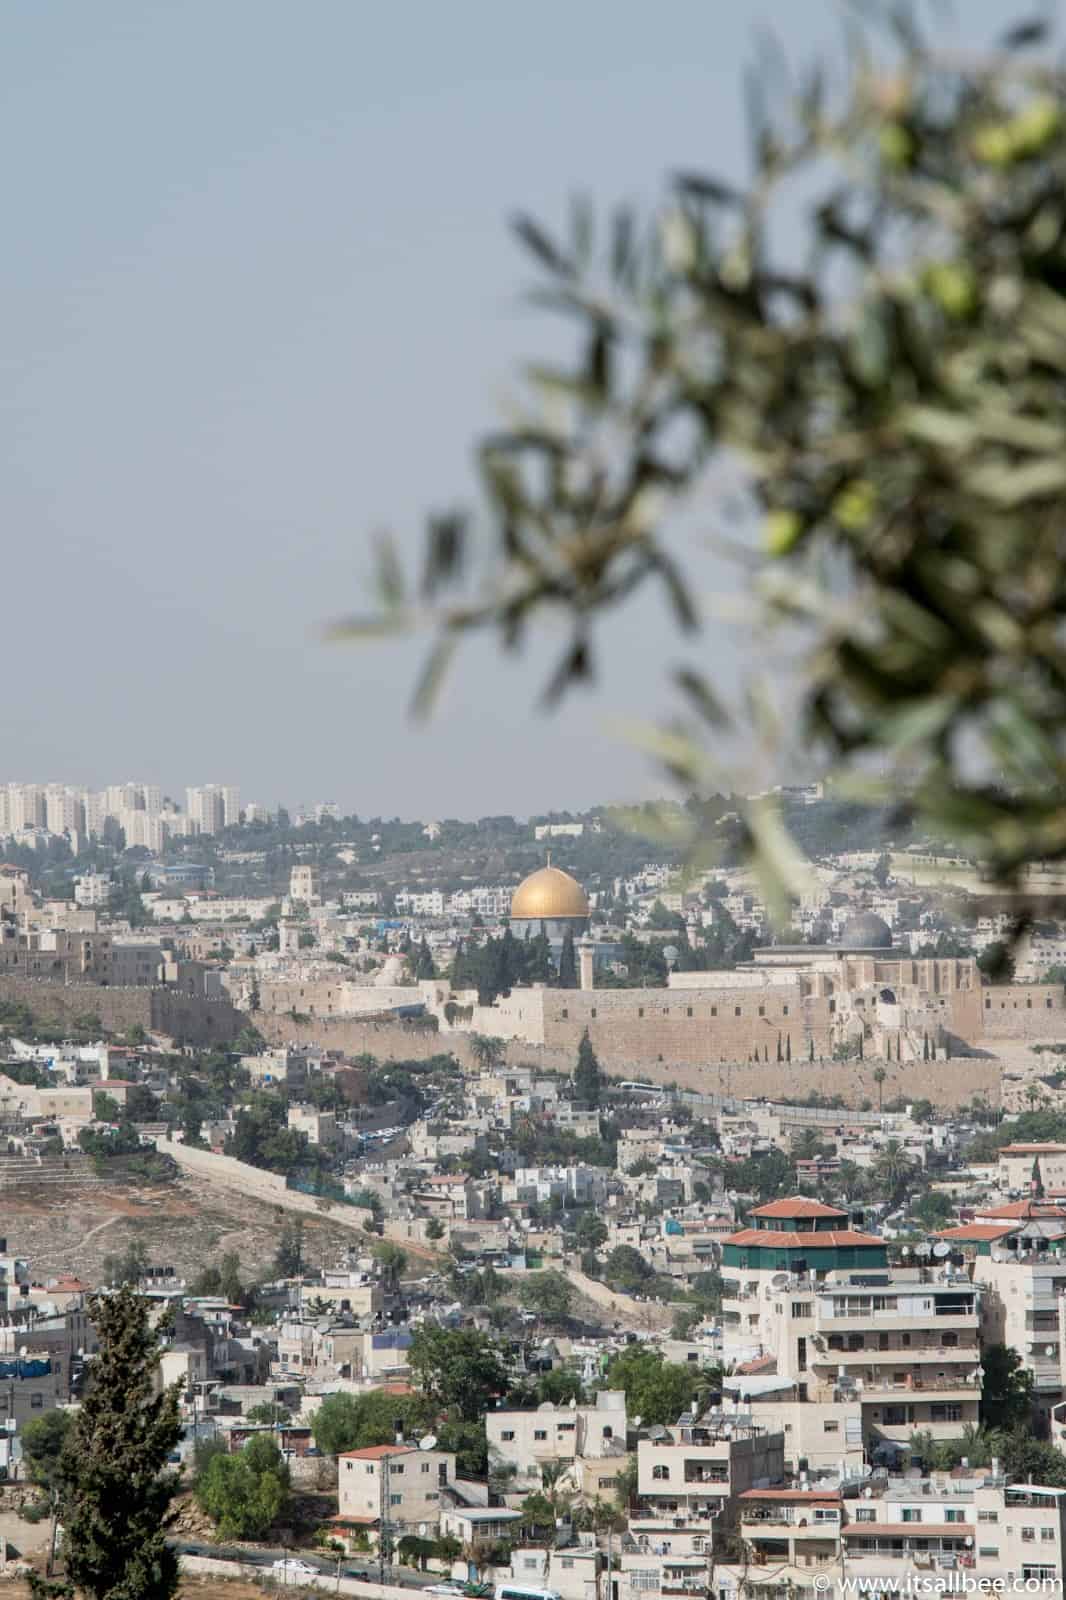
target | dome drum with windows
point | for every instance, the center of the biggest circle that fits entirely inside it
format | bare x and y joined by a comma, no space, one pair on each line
552,898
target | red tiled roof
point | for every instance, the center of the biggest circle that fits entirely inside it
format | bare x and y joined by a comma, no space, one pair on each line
823,1497
375,1452
748,1369
362,1522
975,1232
1024,1208
792,1241
1033,1150
799,1207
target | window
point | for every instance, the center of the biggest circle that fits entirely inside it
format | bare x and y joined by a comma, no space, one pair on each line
1028,1535
911,1514
865,1514
606,1483
640,1011
36,1402
989,1550
736,1011
988,1516
594,1011
953,1514
431,1494
642,1581
1038,1574
830,1427
660,1474
714,1011
426,1466
395,1471
507,1435
762,1011
784,1011
608,1432
540,1433
567,1562
688,1011
801,1308
369,1467
395,1499
945,1413
1047,1535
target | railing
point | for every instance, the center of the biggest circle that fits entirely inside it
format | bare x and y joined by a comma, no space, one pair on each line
785,1519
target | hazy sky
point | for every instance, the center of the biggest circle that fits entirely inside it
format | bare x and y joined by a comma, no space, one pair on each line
259,299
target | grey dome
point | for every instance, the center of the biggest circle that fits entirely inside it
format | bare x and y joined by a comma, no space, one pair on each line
867,931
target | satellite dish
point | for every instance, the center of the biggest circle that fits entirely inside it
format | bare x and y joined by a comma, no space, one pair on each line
657,1431
1049,1349
923,1251
429,1442
941,1250
637,1421
779,1280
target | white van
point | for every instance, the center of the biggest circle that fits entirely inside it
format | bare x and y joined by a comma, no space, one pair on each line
520,1591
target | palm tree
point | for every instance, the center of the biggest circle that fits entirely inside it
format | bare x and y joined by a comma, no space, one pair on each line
488,1052
879,1077
892,1167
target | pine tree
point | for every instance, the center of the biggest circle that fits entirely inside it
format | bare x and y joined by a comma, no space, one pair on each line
114,1491
588,1079
568,962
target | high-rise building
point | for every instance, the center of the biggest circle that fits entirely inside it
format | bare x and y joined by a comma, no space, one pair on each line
64,809
231,805
94,806
206,806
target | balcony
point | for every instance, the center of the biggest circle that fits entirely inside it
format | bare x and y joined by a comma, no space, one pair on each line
799,1524
916,1386
872,1356
907,1322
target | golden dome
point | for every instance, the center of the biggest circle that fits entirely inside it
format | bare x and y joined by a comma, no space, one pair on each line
549,893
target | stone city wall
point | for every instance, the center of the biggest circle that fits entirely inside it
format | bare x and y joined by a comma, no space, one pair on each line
188,1018
1022,1011
948,1083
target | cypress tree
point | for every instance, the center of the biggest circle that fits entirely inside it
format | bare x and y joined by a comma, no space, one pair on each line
811,1057
114,1491
779,1057
424,967
568,962
788,1048
588,1079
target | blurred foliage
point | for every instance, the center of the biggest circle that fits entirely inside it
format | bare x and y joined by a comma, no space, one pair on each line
892,390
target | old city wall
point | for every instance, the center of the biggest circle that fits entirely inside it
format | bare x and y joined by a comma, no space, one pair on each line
1023,1011
948,1083
58,1003
188,1018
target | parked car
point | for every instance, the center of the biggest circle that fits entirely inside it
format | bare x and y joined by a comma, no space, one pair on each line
289,1567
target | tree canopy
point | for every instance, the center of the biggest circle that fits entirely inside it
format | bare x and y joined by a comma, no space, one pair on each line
898,416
